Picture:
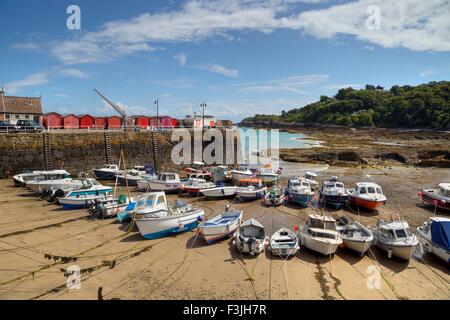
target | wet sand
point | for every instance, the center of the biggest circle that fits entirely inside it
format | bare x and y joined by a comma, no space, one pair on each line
34,235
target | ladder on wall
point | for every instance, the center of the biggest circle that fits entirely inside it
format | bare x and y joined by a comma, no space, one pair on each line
155,149
108,148
47,152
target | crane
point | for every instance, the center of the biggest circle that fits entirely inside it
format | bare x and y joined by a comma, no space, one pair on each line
115,106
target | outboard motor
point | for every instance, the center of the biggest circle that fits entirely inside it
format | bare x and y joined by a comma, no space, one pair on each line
46,193
343,220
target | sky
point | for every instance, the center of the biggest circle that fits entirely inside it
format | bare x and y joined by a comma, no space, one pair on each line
239,57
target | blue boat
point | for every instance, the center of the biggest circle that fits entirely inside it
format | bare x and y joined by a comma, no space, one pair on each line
108,172
299,191
82,198
333,193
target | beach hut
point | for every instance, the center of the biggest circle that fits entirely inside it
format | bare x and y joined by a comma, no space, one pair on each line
52,120
152,121
100,122
114,122
166,121
87,121
141,121
71,121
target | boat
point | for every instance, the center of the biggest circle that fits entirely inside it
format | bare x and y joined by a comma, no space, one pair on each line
438,198
284,243
311,177
107,172
154,223
333,193
220,192
250,237
220,174
319,234
134,175
166,181
274,198
82,198
22,179
40,186
109,207
395,238
435,237
221,226
199,167
251,189
267,174
241,174
368,195
355,236
299,191
194,185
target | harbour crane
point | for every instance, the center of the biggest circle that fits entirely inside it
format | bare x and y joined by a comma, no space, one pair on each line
115,106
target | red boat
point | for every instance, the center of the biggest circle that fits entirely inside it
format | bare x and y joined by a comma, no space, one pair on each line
199,167
367,195
439,198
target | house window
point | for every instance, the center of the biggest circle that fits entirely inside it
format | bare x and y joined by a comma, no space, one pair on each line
17,116
6,116
36,118
27,117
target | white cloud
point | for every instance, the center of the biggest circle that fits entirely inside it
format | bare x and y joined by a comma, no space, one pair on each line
181,58
34,79
26,46
216,68
74,73
291,84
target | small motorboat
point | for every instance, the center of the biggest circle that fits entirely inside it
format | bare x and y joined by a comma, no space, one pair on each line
221,226
22,179
311,177
199,167
78,199
220,192
284,243
274,198
220,174
435,237
395,238
319,234
438,198
299,191
268,175
355,236
107,172
132,176
367,195
153,224
250,237
333,193
237,175
194,185
54,184
251,189
109,207
166,181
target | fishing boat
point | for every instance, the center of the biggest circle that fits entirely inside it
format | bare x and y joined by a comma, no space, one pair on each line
333,193
435,237
221,226
194,185
368,195
251,189
82,198
107,172
299,191
199,167
319,234
274,198
355,236
311,177
154,223
395,238
284,243
220,174
220,192
250,237
438,198
22,179
267,174
166,181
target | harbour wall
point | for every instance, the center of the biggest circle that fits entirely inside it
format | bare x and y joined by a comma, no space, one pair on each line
79,152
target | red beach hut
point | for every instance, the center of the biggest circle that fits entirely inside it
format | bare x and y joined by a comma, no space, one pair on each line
141,121
52,120
114,122
71,121
100,122
87,121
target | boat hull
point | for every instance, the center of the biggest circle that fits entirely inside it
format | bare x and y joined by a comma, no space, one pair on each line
213,233
359,246
335,201
104,175
164,186
132,181
432,200
267,178
301,199
365,203
430,247
218,193
252,195
400,251
323,246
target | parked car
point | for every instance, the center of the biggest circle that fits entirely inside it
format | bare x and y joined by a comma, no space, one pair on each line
29,126
8,127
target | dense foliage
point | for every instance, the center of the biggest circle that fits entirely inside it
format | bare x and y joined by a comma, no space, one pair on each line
422,106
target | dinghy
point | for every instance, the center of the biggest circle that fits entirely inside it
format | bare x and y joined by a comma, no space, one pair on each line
107,172
284,243
395,238
333,193
221,226
367,195
319,234
250,237
435,237
274,198
438,198
355,236
220,192
252,189
299,191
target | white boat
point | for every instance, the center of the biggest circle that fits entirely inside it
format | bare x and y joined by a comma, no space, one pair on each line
78,199
109,207
221,226
438,198
41,186
284,243
107,172
166,181
355,236
311,177
194,185
267,174
220,173
395,238
319,234
250,237
154,224
199,167
251,189
368,195
299,191
435,237
333,193
220,192
241,174
131,177
274,198
22,179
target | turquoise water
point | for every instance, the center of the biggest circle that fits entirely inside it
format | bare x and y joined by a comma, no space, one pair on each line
286,139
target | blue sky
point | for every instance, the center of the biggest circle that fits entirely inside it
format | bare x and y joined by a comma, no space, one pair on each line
240,57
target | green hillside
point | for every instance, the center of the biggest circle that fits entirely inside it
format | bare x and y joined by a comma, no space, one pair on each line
422,106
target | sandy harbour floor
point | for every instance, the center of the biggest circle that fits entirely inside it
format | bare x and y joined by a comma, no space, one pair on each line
125,266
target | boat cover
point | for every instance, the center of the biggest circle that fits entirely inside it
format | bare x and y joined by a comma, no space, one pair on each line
440,234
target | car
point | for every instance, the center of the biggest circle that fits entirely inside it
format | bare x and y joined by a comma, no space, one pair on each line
29,126
8,127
